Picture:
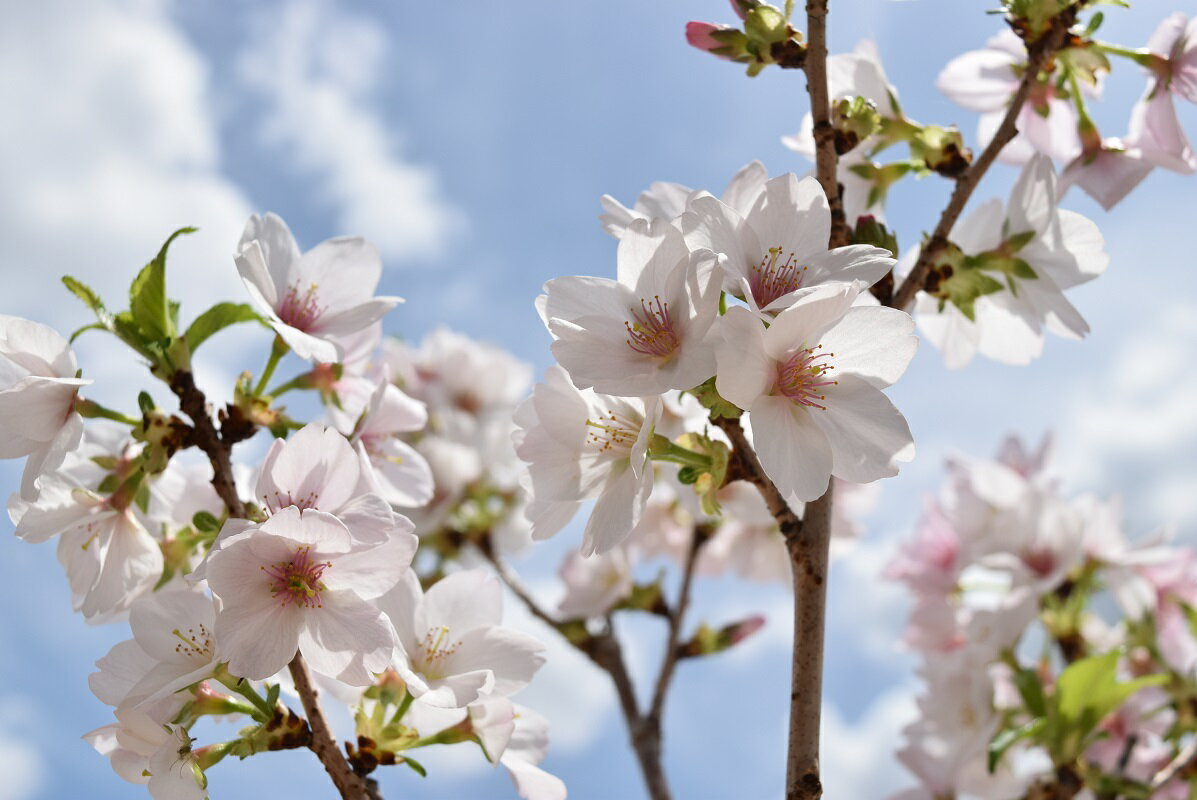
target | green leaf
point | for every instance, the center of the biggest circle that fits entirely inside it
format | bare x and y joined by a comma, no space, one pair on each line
147,296
217,318
416,766
1088,690
1005,739
86,294
92,326
205,522
1031,690
145,402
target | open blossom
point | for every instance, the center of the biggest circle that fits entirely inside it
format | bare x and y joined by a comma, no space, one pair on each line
38,386
300,581
581,445
595,584
1064,250
1154,127
451,649
985,80
780,245
646,332
313,300
173,647
664,200
109,556
144,750
812,384
374,414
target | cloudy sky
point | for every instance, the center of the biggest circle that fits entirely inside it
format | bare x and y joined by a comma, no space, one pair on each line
470,141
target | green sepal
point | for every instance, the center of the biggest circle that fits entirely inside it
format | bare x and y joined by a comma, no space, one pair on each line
1007,738
217,318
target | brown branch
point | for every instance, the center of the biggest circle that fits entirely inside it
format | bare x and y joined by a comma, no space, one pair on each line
1038,55
605,651
218,447
826,159
351,785
698,537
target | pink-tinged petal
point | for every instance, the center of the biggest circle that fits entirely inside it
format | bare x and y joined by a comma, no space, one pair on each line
321,531
1006,332
344,270
595,352
949,330
792,448
548,517
792,214
493,721
981,230
1175,637
1018,151
875,343
37,348
316,468
306,346
156,617
1079,255
454,691
373,571
404,477
712,225
120,670
804,323
131,565
347,324
866,432
576,296
512,656
1107,177
347,638
463,601
279,250
1054,135
38,407
1170,31
698,34
255,275
258,638
980,80
1156,131
858,262
745,372
648,245
745,187
1033,199
616,217
617,510
44,460
532,782
400,605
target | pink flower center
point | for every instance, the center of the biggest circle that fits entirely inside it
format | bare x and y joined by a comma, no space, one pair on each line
651,330
297,580
612,432
773,277
298,310
802,375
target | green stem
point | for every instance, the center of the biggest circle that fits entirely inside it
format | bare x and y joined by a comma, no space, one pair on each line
1085,121
277,351
90,409
1141,56
243,688
661,449
404,705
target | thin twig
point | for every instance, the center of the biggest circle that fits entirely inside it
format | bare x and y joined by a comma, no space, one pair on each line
826,158
1186,758
672,647
606,652
1038,55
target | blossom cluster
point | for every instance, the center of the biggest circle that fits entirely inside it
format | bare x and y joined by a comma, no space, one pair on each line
1031,674
229,574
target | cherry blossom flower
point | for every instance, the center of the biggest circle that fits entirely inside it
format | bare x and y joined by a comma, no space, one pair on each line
812,384
146,751
596,584
645,333
780,245
318,468
316,299
374,414
1064,249
300,581
173,647
581,445
527,747
985,80
39,384
451,649
109,556
668,201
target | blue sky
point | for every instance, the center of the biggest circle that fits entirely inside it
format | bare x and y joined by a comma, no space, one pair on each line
472,141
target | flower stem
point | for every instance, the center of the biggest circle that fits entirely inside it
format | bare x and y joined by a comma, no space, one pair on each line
262,712
404,705
90,409
1141,56
277,351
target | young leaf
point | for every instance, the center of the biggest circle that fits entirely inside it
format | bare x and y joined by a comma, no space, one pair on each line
1006,739
147,296
217,318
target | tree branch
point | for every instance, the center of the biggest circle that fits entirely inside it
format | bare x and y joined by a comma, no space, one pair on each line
1185,759
206,437
1038,55
351,785
605,651
656,707
826,159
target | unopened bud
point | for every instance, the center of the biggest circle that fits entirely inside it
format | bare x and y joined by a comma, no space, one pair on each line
942,150
708,641
854,119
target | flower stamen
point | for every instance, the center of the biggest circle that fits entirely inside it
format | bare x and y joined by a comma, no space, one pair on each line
770,279
799,377
297,581
651,330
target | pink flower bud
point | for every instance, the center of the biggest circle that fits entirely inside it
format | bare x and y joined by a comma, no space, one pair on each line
698,34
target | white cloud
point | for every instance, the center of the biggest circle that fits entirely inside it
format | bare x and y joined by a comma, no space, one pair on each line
1133,425
21,764
858,757
314,68
110,145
